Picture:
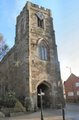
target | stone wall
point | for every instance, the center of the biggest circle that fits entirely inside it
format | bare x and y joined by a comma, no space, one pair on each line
22,51
22,67
42,70
7,71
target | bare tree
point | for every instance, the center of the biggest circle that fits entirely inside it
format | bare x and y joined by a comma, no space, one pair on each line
3,47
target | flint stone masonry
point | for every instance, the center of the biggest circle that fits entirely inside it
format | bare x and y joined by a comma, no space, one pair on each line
21,69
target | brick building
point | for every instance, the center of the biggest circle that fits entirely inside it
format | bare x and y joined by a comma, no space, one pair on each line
32,64
71,86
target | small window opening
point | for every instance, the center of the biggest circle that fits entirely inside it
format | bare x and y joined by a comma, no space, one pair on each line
40,23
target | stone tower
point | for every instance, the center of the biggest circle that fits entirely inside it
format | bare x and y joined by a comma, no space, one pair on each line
36,52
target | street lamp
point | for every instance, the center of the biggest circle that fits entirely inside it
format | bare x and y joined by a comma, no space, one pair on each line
69,69
41,94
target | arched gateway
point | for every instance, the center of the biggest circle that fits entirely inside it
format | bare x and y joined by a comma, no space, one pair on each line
46,89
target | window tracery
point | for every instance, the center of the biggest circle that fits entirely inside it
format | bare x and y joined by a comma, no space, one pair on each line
43,50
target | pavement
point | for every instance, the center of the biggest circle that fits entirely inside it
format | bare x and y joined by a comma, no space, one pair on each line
72,110
71,113
48,114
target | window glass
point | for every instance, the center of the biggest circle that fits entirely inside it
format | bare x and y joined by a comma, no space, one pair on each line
43,51
77,84
70,94
77,92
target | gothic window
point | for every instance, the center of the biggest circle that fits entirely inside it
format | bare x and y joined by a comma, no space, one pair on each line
43,51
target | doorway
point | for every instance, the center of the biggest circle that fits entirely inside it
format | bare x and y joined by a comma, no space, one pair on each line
45,98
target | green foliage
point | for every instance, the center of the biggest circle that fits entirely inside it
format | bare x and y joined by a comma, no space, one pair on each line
1,102
9,103
8,100
2,115
28,104
19,107
21,99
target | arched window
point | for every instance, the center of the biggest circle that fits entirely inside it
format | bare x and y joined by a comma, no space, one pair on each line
43,50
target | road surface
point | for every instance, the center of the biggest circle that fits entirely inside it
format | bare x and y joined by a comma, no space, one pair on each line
71,113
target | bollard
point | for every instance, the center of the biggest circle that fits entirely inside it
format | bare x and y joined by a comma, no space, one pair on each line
63,113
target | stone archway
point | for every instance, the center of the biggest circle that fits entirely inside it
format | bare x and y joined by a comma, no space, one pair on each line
46,88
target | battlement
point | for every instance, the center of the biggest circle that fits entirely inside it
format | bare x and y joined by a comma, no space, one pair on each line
30,4
37,6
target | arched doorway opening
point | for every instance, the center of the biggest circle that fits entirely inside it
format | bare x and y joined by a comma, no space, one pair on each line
46,98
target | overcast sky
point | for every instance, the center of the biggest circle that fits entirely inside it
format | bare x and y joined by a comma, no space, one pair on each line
66,24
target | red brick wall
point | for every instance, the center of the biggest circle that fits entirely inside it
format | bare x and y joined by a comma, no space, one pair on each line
70,86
